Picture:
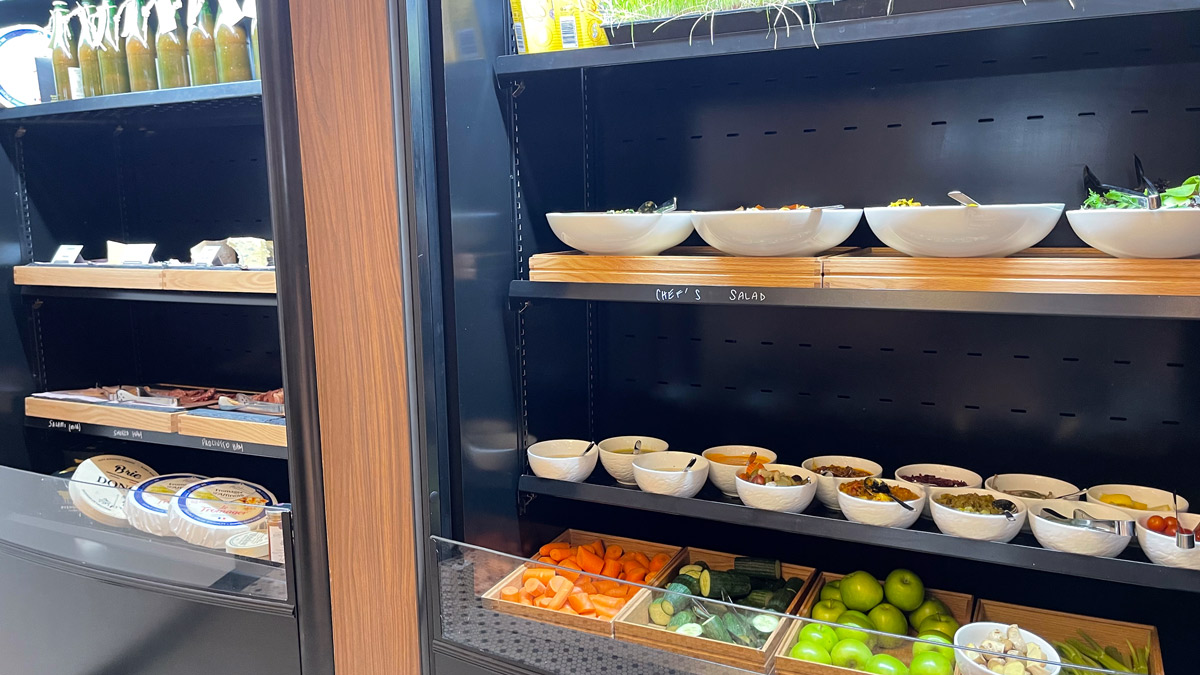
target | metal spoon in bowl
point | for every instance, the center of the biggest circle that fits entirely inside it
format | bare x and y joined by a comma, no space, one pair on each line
1183,540
1007,507
637,448
589,449
691,464
883,488
961,198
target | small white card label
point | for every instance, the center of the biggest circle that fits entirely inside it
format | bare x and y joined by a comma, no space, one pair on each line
138,254
68,254
208,256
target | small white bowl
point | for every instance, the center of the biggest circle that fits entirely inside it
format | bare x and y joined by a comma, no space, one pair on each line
1058,536
1025,481
975,633
661,473
724,476
972,479
788,499
883,514
621,233
620,466
1146,495
562,460
988,231
1161,549
772,232
827,486
1139,233
977,525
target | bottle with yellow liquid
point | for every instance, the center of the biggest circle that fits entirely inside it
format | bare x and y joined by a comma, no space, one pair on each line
139,47
202,47
233,52
68,81
89,46
114,71
170,46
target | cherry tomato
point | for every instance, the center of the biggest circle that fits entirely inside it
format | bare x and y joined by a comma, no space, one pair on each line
1186,531
1170,530
1172,522
1156,523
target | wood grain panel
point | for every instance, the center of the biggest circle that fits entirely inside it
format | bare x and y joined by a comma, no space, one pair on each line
91,413
89,277
219,281
233,430
346,119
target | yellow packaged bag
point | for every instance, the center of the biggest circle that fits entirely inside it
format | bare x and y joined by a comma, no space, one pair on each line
541,29
579,24
518,24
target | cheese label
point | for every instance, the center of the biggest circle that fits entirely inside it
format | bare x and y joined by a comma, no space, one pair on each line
224,502
155,494
100,485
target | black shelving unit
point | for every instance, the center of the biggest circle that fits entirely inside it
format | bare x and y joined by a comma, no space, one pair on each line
134,295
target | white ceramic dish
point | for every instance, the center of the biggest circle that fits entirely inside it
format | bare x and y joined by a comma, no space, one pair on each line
771,232
977,525
661,473
1146,495
883,514
724,476
621,233
827,486
988,231
1161,549
1139,233
971,478
620,466
976,633
1057,536
562,460
789,499
1025,481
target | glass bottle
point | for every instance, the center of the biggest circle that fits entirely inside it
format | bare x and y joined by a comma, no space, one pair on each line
170,45
89,43
114,71
202,49
233,54
250,9
139,49
64,59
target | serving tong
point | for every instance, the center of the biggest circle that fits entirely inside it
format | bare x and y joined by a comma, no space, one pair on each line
244,403
1083,519
123,395
1148,196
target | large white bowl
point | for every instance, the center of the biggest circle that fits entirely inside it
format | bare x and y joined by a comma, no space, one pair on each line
1058,536
1146,495
1025,481
771,232
975,633
977,525
724,476
621,233
1139,233
620,466
827,486
660,473
989,231
971,478
789,499
562,460
1161,549
883,514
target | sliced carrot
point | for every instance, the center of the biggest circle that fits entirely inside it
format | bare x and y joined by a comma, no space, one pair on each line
510,593
618,592
598,547
545,550
560,596
605,585
587,587
542,574
580,603
558,583
606,601
613,552
536,588
570,565
636,575
659,561
607,613
589,561
641,557
546,559
562,553
544,601
524,598
566,609
611,568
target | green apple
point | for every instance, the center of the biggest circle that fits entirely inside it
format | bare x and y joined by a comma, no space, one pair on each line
934,636
929,607
852,620
832,591
819,634
931,663
904,590
889,619
942,623
851,654
861,591
810,651
886,664
828,610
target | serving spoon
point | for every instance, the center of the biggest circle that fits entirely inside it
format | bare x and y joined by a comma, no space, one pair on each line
961,198
1007,507
883,488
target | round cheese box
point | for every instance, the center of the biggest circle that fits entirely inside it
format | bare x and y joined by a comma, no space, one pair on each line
149,502
250,544
208,512
99,486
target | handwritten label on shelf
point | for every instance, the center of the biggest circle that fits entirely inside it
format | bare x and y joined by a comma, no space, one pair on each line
64,426
68,254
676,294
222,444
127,433
746,296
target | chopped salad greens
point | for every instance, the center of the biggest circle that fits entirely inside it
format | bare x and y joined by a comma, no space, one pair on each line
1184,196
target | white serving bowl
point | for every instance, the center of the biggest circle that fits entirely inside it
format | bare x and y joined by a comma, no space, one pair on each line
988,231
883,514
660,473
975,633
772,232
1146,495
724,476
977,525
1161,549
789,499
1025,481
562,460
620,466
827,486
1058,536
621,233
971,478
1139,233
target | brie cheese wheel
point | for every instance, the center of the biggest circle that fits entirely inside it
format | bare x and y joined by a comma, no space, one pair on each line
250,544
210,511
100,484
147,505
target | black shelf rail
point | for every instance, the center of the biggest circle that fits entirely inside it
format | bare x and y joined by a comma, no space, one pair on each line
134,101
189,297
1000,15
159,438
1133,569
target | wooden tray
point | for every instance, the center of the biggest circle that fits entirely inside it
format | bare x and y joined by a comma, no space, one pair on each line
691,265
633,623
139,278
959,604
491,598
219,281
1059,626
232,430
107,415
1034,270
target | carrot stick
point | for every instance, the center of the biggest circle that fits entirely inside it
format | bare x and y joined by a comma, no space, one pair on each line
570,564
510,593
611,568
659,561
589,561
560,597
606,601
598,548
580,603
641,557
562,553
613,552
543,575
524,598
545,550
536,588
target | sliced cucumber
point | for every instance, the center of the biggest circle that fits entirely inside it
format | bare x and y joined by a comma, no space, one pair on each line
692,584
781,598
691,630
740,629
758,567
765,623
714,584
660,612
765,584
692,571
680,618
758,598
714,628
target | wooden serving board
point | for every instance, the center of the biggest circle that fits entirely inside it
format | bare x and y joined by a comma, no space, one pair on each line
691,265
633,624
1060,626
219,281
959,604
84,276
232,430
1034,270
107,415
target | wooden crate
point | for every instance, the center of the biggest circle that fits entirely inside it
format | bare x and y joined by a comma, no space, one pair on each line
1059,626
685,265
1034,270
219,281
107,415
491,598
959,604
233,430
87,276
633,623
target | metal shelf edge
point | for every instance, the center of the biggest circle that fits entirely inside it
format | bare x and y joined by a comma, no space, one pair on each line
141,99
190,297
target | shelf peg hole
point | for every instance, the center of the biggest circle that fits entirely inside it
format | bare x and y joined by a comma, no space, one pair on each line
1035,117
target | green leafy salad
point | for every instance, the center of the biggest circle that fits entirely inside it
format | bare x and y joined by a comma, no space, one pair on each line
1185,196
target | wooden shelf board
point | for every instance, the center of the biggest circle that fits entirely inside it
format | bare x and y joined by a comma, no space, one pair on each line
232,430
88,277
91,413
219,281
